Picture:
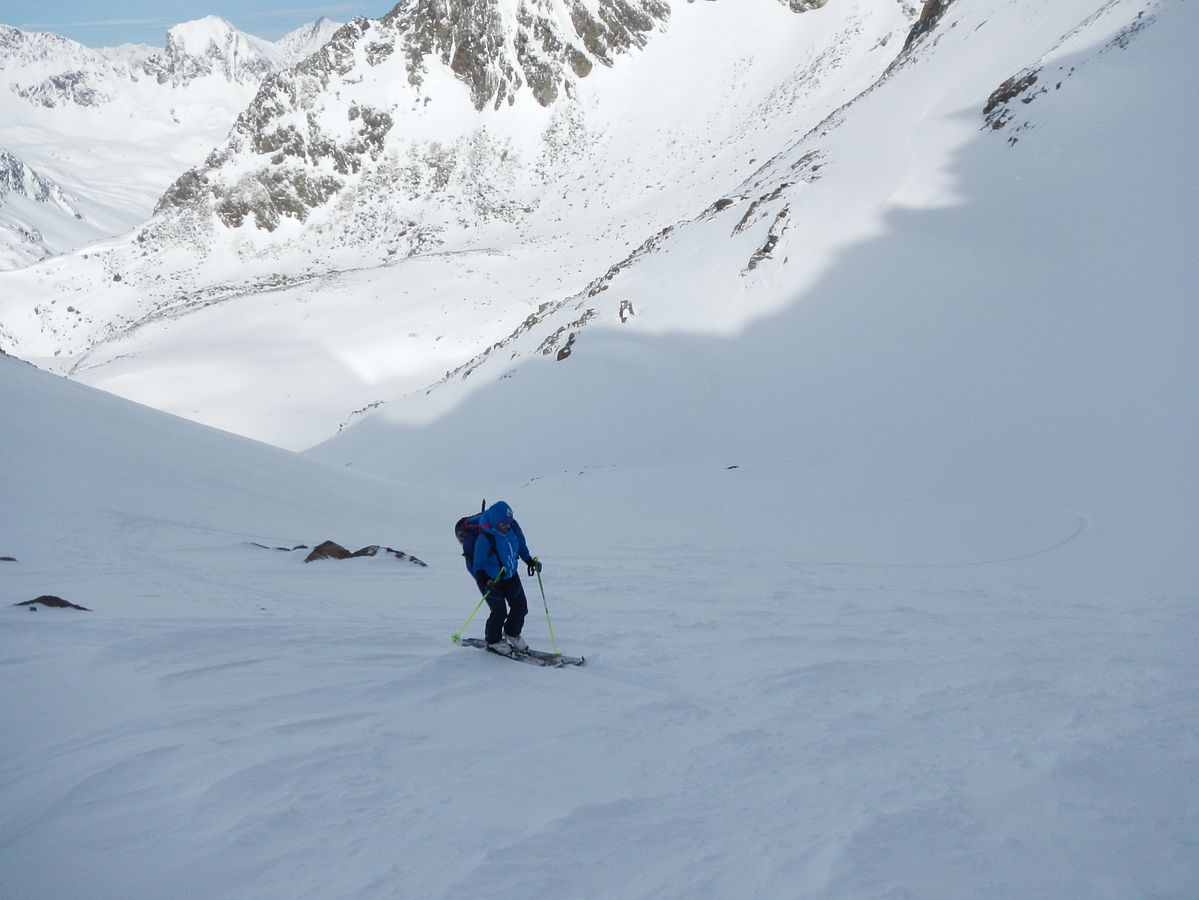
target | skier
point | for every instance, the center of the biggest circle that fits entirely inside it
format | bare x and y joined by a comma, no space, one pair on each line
498,547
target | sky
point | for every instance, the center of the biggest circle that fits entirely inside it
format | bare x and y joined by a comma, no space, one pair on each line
107,23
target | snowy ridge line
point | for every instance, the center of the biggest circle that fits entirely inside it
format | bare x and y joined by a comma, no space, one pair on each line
916,45
1104,10
553,342
1026,85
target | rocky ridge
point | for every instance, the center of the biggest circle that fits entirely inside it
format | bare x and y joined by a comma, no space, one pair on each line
19,179
20,240
284,158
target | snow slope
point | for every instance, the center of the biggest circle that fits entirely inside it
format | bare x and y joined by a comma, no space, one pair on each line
881,553
794,688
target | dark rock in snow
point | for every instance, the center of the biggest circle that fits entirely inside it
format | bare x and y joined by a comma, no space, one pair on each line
328,550
49,600
803,5
997,112
334,550
930,15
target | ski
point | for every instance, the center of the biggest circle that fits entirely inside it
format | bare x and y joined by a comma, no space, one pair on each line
532,657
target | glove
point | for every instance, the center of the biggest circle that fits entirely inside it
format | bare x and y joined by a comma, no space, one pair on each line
534,566
484,582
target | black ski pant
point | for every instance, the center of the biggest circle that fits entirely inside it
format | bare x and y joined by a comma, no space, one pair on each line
508,603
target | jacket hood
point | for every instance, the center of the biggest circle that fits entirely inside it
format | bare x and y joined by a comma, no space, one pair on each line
499,513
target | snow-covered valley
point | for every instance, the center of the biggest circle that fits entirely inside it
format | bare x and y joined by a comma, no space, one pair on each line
863,475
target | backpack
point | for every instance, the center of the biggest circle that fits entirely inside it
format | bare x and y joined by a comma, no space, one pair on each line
467,531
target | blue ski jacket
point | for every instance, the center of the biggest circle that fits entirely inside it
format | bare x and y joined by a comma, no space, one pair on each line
501,543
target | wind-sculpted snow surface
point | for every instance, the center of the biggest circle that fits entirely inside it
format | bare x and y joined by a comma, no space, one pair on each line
796,685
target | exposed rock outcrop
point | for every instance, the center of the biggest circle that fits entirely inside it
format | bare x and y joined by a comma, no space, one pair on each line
334,550
51,602
297,147
929,16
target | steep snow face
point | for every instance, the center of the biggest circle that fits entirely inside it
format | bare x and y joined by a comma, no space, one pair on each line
114,127
212,46
306,40
23,194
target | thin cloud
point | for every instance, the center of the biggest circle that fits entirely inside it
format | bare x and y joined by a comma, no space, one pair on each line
264,18
347,9
100,23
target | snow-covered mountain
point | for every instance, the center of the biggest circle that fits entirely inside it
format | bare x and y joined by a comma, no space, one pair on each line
389,152
297,45
436,189
211,46
844,382
24,192
113,127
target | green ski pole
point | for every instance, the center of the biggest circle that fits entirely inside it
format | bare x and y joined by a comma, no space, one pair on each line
456,637
557,652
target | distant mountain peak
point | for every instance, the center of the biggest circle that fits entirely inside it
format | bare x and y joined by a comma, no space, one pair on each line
212,45
306,40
